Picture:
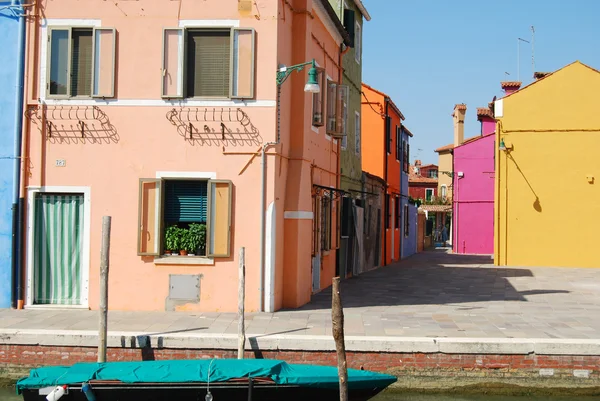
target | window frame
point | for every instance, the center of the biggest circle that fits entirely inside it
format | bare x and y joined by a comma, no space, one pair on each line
430,190
444,191
159,215
398,142
358,42
49,52
357,133
322,95
183,56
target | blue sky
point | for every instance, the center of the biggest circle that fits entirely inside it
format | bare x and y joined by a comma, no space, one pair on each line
429,55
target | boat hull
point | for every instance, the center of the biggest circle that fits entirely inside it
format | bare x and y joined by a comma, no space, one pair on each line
197,392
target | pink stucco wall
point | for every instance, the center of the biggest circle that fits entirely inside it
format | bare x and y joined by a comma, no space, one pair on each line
474,195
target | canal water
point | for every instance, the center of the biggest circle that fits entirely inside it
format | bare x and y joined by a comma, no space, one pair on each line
8,394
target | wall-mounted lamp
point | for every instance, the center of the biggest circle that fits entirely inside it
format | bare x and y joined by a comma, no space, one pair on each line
461,174
312,85
504,147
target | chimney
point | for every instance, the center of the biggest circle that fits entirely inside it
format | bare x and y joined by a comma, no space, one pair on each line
540,75
459,123
417,163
510,86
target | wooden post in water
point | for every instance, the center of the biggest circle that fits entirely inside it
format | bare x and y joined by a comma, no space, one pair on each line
241,300
104,257
337,320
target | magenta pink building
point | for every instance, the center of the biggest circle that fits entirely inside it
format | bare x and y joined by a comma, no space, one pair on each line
473,212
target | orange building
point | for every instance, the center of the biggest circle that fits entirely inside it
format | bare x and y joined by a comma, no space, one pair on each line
382,152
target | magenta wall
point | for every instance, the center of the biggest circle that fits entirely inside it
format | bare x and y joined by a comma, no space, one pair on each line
474,196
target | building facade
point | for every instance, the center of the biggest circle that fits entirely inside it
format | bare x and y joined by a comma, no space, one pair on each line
423,182
170,117
547,137
353,14
381,156
12,35
473,200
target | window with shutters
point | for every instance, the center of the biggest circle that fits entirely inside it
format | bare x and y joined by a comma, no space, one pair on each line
319,99
336,109
398,142
173,210
208,63
81,62
397,211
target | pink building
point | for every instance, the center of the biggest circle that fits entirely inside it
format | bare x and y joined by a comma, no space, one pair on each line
473,211
167,116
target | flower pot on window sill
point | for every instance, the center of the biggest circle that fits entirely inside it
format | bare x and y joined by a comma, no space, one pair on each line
183,252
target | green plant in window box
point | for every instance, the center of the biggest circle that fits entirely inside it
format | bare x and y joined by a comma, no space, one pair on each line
196,239
172,239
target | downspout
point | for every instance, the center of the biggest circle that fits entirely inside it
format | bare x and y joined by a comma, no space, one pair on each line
263,158
17,206
386,206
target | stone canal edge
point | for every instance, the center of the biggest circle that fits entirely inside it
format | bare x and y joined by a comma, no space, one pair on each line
496,365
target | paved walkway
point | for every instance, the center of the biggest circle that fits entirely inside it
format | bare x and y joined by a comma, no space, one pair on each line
424,299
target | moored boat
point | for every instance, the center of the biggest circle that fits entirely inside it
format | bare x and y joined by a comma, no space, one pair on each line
193,380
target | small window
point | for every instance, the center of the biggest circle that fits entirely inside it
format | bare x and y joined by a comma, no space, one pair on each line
387,216
319,99
428,194
398,142
214,63
406,222
397,212
193,216
357,42
325,223
388,135
344,142
357,133
81,62
444,190
432,173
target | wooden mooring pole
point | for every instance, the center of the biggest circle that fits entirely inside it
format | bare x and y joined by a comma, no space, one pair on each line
104,258
241,300
337,320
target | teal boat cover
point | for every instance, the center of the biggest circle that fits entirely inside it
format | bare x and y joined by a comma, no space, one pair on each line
202,371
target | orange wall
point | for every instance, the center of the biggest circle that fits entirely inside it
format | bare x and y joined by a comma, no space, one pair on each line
373,161
310,156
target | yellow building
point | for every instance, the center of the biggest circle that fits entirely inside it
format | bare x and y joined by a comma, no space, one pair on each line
548,171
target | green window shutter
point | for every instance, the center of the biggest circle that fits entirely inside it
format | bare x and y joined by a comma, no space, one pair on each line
208,63
185,201
81,62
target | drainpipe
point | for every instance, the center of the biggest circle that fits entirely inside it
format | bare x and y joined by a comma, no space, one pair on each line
263,200
386,205
17,206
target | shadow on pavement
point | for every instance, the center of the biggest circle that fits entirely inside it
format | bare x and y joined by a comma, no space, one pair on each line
433,277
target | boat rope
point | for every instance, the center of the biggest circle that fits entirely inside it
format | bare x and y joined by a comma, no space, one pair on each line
209,396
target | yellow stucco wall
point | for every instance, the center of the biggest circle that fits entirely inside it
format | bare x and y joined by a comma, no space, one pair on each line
445,164
546,209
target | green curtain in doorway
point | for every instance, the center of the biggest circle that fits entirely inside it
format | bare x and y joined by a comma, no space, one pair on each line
58,242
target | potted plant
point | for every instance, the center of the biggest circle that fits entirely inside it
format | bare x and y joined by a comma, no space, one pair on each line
196,238
172,240
184,237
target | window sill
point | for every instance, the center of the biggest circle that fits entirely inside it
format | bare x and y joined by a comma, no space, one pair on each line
183,260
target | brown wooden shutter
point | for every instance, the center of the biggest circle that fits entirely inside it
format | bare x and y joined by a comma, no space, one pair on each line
172,68
103,62
242,70
149,217
219,218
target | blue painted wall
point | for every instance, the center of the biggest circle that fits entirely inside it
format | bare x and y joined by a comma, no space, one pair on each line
409,246
8,73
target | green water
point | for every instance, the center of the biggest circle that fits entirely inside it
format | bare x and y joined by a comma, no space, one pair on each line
8,394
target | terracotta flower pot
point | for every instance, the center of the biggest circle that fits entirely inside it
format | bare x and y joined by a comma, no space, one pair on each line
183,252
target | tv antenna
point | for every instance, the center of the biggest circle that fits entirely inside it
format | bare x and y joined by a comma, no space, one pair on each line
519,40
